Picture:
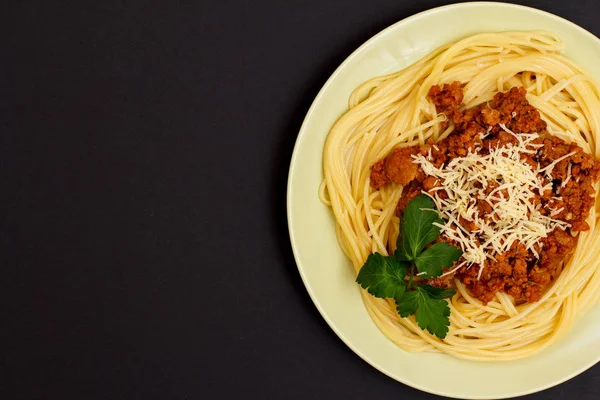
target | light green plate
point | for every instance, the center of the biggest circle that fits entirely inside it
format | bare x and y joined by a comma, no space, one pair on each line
328,275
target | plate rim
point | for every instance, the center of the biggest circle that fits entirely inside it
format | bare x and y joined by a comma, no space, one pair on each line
292,168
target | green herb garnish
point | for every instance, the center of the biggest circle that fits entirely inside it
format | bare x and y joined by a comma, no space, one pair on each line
384,276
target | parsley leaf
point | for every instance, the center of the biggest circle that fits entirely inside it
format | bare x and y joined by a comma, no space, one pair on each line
383,276
403,252
435,257
430,313
407,304
417,226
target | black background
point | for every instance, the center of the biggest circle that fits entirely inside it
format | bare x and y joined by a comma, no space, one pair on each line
144,155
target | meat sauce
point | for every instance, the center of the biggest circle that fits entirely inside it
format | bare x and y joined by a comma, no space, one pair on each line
516,272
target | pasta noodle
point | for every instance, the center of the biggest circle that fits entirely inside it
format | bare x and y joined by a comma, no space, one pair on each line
394,111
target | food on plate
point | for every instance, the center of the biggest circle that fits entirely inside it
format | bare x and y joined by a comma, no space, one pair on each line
464,189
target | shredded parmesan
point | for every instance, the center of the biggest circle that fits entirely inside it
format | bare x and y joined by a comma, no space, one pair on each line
568,176
515,217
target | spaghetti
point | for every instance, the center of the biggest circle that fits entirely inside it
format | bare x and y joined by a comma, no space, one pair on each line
394,111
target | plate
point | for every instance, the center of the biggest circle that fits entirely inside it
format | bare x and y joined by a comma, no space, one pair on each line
329,276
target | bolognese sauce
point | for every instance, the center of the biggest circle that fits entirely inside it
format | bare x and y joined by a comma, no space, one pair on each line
521,271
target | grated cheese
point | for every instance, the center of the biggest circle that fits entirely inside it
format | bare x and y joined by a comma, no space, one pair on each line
515,218
568,176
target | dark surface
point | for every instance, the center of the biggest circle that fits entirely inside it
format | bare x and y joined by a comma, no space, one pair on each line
144,155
